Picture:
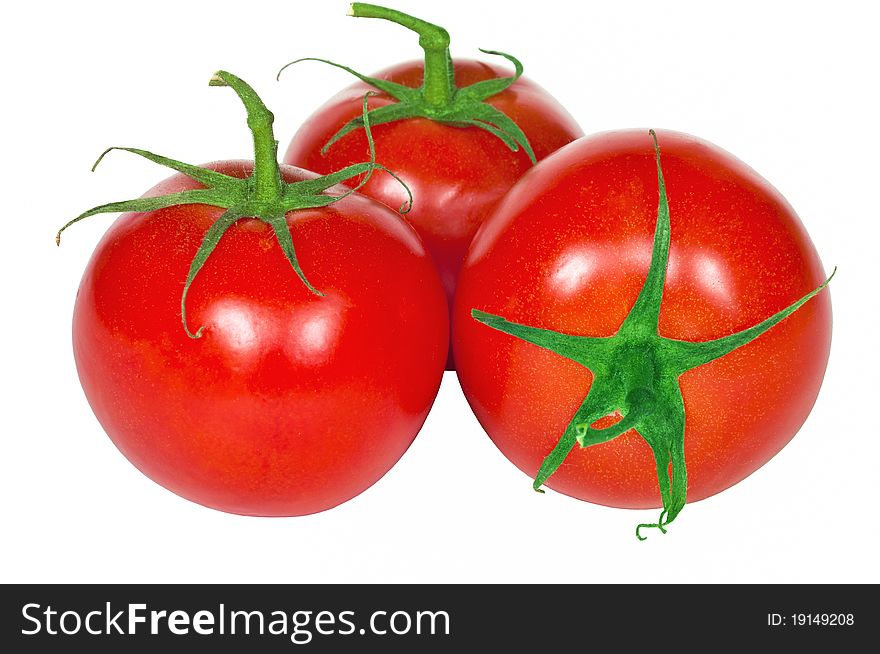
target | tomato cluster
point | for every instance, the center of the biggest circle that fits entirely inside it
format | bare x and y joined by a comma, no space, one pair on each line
637,318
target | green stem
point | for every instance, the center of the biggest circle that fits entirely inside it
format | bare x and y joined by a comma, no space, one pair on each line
268,186
644,317
439,81
264,195
437,98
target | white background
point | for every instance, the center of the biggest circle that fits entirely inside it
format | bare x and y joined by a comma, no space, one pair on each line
789,87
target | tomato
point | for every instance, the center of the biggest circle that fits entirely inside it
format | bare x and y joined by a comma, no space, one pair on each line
457,174
290,400
567,254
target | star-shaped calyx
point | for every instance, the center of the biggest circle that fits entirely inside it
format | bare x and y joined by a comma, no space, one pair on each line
636,373
438,98
263,195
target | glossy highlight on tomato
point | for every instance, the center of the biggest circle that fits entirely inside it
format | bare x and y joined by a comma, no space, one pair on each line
568,252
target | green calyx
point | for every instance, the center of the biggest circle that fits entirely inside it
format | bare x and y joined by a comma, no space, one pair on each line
438,98
636,372
263,195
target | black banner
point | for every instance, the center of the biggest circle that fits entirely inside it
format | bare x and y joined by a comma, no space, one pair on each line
430,618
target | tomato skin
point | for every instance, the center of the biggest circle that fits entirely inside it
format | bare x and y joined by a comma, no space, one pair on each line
456,174
289,403
569,248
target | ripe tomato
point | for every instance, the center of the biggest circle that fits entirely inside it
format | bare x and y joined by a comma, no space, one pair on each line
289,400
290,403
456,173
568,251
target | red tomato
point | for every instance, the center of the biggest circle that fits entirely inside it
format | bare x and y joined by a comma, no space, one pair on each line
457,174
569,249
290,403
